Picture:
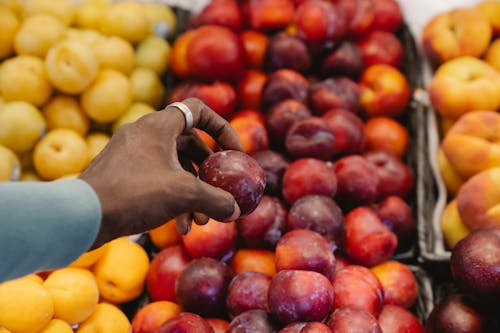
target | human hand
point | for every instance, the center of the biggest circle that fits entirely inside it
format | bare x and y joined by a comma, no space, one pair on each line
145,176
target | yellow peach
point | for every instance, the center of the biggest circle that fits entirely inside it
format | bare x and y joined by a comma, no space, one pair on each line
10,166
64,10
10,25
147,87
114,52
107,97
74,292
24,78
107,318
153,53
21,125
37,34
96,142
162,19
452,226
61,152
127,20
57,326
89,13
134,112
491,9
25,306
71,66
451,178
65,112
492,55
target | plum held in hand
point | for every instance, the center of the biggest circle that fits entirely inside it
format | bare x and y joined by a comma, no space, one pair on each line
237,173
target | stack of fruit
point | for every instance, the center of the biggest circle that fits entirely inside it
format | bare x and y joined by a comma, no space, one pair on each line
70,75
84,297
463,45
315,92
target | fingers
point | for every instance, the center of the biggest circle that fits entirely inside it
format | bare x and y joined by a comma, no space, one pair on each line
213,202
200,219
193,147
209,121
183,223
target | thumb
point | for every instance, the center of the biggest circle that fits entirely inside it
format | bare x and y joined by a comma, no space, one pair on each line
215,203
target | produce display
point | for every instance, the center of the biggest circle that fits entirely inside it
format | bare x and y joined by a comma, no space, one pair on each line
319,93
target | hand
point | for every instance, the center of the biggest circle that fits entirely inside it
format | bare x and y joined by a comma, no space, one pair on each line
145,176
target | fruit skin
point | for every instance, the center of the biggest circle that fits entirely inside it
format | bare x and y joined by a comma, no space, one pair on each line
10,25
147,87
37,34
247,291
310,137
453,93
319,21
345,60
368,241
491,9
153,53
455,33
116,53
476,133
213,240
387,15
25,305
25,78
384,91
333,93
255,320
492,55
237,173
477,200
385,133
397,319
398,282
267,15
185,322
150,317
61,152
74,292
287,51
164,271
55,326
127,20
121,271
253,260
215,53
225,13
65,112
345,320
202,287
296,295
452,226
475,264
348,131
381,47
455,313
61,9
10,166
106,318
284,84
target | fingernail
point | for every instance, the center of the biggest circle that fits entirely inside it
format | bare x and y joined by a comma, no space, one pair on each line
236,213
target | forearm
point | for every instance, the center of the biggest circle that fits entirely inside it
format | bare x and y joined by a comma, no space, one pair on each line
45,225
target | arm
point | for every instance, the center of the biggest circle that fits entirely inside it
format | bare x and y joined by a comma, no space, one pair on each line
45,225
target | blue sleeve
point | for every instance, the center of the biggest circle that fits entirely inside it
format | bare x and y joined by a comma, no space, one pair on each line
45,225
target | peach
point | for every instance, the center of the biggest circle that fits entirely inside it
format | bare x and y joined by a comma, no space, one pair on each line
385,133
274,165
384,91
472,144
178,55
267,15
225,13
464,84
150,317
147,87
213,239
253,260
398,282
284,84
127,20
60,9
455,33
249,89
381,47
10,25
255,45
492,55
215,53
37,34
89,13
247,291
265,225
25,78
320,21
491,9
251,133
287,51
452,180
153,53
10,166
452,226
65,112
115,53
478,200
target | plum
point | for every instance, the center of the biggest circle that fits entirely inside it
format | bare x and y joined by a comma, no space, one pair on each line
247,291
281,116
237,173
347,320
251,321
286,51
274,165
310,137
185,322
202,287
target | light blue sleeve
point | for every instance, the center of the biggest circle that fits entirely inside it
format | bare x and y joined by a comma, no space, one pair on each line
45,225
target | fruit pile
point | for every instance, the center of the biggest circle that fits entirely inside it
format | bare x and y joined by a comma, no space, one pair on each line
465,93
463,46
316,93
70,75
83,297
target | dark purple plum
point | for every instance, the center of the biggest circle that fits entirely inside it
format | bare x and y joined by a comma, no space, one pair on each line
310,137
247,291
274,165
